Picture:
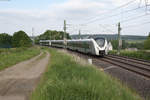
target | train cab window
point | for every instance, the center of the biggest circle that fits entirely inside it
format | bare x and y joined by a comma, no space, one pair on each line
100,41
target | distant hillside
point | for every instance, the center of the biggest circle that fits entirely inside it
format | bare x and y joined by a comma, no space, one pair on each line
112,37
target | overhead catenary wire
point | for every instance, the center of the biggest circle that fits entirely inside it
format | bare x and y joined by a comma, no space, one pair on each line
117,8
109,30
127,18
135,26
91,20
107,17
134,18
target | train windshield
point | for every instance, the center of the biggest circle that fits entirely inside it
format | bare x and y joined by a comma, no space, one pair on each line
100,41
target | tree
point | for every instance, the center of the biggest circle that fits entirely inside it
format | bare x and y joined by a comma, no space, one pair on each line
52,35
5,40
124,44
114,44
147,43
21,39
138,45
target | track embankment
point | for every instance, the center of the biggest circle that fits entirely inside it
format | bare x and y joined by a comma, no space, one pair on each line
17,82
131,72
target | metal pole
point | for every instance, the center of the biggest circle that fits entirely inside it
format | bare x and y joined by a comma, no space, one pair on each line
64,29
33,35
79,34
65,42
119,38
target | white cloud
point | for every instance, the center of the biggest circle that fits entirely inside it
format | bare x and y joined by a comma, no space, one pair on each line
77,9
74,11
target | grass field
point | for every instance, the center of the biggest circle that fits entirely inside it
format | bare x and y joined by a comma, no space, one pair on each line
9,57
65,79
135,41
135,54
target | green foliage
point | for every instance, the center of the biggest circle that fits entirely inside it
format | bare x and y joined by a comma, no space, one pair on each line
114,44
5,40
135,54
138,45
21,39
112,37
65,79
125,44
9,57
147,43
51,35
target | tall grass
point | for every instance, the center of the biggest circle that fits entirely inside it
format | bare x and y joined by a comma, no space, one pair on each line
65,79
134,54
9,57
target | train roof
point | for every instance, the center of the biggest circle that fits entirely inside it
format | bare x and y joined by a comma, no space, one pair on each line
44,40
75,40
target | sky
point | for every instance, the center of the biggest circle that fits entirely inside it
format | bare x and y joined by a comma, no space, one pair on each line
89,16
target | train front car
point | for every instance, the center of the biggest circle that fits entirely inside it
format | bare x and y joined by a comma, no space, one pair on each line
101,46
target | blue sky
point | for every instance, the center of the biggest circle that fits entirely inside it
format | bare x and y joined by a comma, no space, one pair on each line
89,16
28,4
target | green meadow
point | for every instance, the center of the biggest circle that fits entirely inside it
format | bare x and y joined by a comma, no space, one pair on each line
134,54
66,79
9,57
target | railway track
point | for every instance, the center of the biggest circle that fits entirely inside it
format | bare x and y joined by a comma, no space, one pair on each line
131,58
139,67
133,72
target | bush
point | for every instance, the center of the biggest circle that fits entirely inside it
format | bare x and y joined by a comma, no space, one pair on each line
5,40
51,35
21,39
147,43
134,54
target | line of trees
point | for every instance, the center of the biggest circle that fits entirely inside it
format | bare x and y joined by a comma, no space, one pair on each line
138,45
125,44
147,42
5,40
19,39
52,35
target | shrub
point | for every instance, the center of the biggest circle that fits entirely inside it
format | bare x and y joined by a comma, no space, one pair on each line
21,39
5,40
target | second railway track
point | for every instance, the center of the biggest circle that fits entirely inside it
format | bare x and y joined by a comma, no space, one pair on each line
135,60
135,73
139,67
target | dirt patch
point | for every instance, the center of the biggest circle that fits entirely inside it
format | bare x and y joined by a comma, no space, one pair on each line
18,81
